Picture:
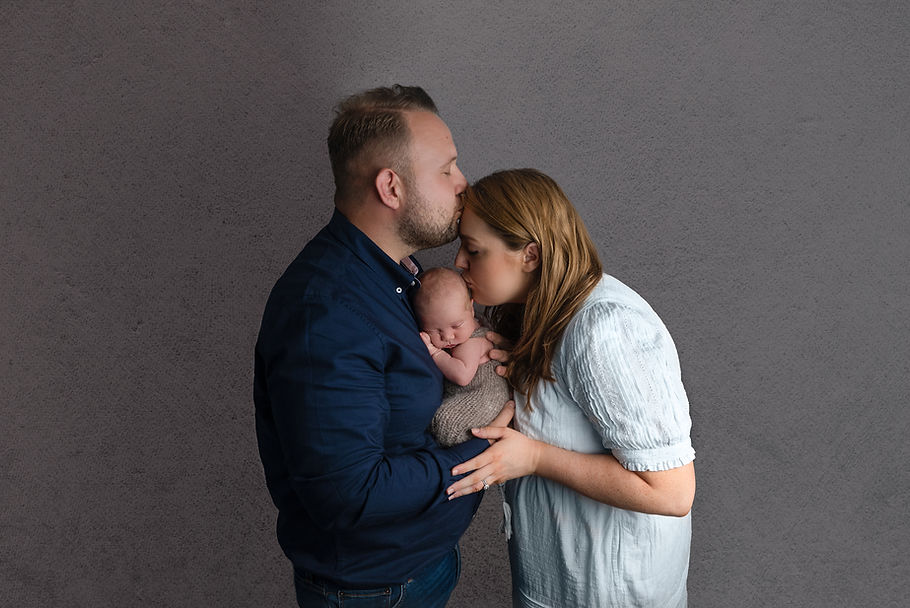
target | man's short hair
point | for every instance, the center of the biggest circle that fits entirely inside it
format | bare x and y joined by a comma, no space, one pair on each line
372,122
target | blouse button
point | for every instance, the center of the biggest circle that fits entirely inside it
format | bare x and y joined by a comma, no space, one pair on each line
398,290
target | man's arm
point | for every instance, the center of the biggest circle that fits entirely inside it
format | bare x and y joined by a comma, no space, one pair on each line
326,381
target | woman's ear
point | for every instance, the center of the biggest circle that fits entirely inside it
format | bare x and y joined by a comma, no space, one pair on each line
389,188
530,257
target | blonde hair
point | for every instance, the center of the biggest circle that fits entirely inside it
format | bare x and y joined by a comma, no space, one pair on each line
525,206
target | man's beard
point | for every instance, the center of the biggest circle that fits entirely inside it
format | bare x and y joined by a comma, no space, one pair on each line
423,226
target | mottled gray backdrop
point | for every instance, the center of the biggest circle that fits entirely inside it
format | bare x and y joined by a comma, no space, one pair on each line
743,165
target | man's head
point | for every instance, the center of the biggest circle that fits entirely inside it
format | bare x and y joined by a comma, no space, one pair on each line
370,132
444,307
389,145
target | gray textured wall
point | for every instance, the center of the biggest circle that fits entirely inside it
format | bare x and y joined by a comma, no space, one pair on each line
744,165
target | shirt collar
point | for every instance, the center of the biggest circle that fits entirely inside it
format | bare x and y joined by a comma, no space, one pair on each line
400,279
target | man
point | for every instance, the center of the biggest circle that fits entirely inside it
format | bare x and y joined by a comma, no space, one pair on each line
344,386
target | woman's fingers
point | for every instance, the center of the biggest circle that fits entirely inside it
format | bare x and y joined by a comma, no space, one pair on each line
512,455
470,484
500,355
470,465
499,340
484,458
504,417
502,351
492,432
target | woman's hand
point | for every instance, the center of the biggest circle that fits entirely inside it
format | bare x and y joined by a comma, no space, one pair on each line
512,455
504,417
487,349
501,351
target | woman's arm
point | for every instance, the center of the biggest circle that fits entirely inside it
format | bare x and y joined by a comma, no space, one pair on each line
618,364
597,476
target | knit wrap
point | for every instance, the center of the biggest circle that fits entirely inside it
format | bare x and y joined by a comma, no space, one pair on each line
471,406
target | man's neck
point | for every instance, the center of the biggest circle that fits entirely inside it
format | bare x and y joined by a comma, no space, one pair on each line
379,230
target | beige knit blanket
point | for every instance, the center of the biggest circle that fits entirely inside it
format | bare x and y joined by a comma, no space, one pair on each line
471,406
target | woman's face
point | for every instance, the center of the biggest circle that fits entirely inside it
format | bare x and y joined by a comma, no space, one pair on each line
495,274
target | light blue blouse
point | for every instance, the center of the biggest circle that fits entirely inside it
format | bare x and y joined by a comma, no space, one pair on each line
618,388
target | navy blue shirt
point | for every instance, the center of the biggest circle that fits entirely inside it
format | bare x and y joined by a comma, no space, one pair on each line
344,390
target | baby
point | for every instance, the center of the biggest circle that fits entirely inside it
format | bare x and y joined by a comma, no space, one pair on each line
474,393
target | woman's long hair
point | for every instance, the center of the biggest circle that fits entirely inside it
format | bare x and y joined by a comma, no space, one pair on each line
525,206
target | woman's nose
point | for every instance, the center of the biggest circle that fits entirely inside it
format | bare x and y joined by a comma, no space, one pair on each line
461,260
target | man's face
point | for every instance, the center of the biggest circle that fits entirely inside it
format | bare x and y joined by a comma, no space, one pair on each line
432,186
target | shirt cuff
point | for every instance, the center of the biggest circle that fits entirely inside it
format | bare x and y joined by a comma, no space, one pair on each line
656,459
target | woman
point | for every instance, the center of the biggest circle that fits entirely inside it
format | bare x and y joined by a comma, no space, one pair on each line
600,459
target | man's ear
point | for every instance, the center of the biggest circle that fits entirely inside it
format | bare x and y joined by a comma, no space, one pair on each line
389,188
530,257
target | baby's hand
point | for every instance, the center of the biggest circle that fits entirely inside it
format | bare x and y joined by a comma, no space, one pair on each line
426,340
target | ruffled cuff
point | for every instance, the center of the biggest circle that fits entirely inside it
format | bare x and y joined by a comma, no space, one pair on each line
656,459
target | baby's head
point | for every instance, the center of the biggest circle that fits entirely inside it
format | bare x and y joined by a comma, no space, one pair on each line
444,307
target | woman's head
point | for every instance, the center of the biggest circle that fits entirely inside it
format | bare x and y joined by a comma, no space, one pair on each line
521,222
522,241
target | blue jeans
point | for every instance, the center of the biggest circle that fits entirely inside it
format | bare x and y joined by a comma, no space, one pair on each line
430,588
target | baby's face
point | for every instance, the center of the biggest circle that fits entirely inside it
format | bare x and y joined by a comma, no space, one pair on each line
449,322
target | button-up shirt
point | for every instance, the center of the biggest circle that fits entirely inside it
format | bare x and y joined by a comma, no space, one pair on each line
344,390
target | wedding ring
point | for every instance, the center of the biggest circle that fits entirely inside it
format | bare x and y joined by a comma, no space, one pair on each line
486,486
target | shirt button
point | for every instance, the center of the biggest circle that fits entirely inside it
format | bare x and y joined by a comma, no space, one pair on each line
398,290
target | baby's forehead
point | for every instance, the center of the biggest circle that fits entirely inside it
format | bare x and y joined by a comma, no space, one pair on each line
439,292
442,282
438,298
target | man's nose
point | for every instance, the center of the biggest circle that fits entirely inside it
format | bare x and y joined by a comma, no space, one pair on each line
462,183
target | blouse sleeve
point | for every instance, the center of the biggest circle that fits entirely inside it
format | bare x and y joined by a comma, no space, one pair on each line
621,368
